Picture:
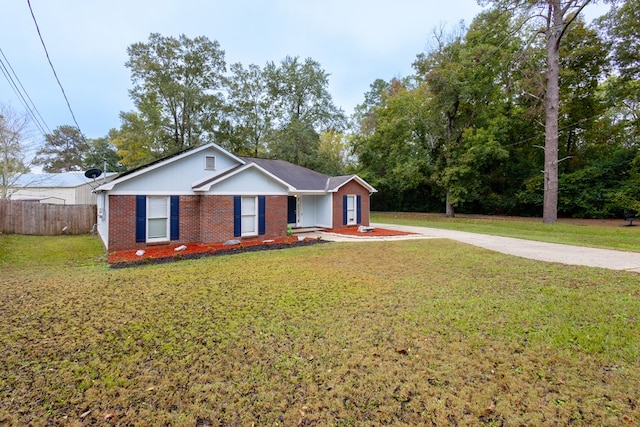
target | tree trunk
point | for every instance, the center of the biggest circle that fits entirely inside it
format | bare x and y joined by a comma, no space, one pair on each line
449,212
552,103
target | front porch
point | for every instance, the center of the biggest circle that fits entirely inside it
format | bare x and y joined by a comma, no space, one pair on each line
298,231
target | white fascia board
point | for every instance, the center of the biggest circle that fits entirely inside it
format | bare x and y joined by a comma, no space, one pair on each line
152,193
250,193
309,193
203,182
109,185
207,186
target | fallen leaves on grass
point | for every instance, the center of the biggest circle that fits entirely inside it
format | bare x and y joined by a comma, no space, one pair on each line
436,334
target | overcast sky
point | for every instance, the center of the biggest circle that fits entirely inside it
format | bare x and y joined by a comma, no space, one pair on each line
355,41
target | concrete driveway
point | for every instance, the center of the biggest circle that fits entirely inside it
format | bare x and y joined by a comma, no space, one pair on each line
549,252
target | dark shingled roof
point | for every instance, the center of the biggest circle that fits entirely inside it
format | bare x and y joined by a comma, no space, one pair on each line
301,178
337,181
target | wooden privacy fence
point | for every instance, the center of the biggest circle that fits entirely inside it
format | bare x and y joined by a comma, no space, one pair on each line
20,217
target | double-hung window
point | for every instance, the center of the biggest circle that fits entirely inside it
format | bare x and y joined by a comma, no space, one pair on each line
249,216
157,219
351,210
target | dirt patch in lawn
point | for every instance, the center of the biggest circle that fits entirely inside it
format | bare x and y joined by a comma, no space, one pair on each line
177,252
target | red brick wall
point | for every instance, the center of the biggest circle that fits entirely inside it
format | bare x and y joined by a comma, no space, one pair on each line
122,223
276,217
203,219
190,218
216,219
349,189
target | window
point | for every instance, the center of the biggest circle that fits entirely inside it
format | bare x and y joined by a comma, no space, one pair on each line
249,216
157,219
351,210
210,162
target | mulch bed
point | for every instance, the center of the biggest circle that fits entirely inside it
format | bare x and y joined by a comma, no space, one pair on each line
168,253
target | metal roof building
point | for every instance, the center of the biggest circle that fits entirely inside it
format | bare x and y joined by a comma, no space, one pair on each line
66,188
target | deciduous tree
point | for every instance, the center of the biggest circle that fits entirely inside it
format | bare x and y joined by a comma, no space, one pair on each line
467,82
304,109
393,150
177,89
102,152
134,141
556,18
251,110
13,128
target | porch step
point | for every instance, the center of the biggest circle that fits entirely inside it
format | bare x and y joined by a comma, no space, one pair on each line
303,230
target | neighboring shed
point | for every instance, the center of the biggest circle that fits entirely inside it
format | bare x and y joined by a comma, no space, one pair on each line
66,188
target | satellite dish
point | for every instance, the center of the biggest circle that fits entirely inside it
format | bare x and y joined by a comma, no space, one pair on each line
93,173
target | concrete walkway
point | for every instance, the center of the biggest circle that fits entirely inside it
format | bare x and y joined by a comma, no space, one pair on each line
549,252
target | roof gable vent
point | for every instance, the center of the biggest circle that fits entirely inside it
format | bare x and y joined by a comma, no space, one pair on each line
210,162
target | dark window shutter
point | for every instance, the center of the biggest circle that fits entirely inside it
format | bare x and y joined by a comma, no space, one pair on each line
261,215
175,218
291,210
237,216
359,208
141,218
344,210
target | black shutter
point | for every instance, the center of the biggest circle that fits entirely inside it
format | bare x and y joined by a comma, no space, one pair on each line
141,218
344,210
261,215
237,216
174,226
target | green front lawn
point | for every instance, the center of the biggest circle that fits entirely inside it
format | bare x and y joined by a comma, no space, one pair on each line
607,234
419,332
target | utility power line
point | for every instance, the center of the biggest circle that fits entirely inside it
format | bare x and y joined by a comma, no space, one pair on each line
21,92
44,46
52,67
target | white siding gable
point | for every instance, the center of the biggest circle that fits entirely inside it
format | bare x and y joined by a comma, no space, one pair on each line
250,181
177,177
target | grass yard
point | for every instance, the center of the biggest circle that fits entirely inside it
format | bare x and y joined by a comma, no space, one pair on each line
607,234
418,332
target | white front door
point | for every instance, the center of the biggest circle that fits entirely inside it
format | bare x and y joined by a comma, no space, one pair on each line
299,211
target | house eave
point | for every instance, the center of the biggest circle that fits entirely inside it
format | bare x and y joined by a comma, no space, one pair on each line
356,178
204,186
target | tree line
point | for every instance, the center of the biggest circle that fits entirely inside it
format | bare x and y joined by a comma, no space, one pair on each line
185,96
471,127
526,111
